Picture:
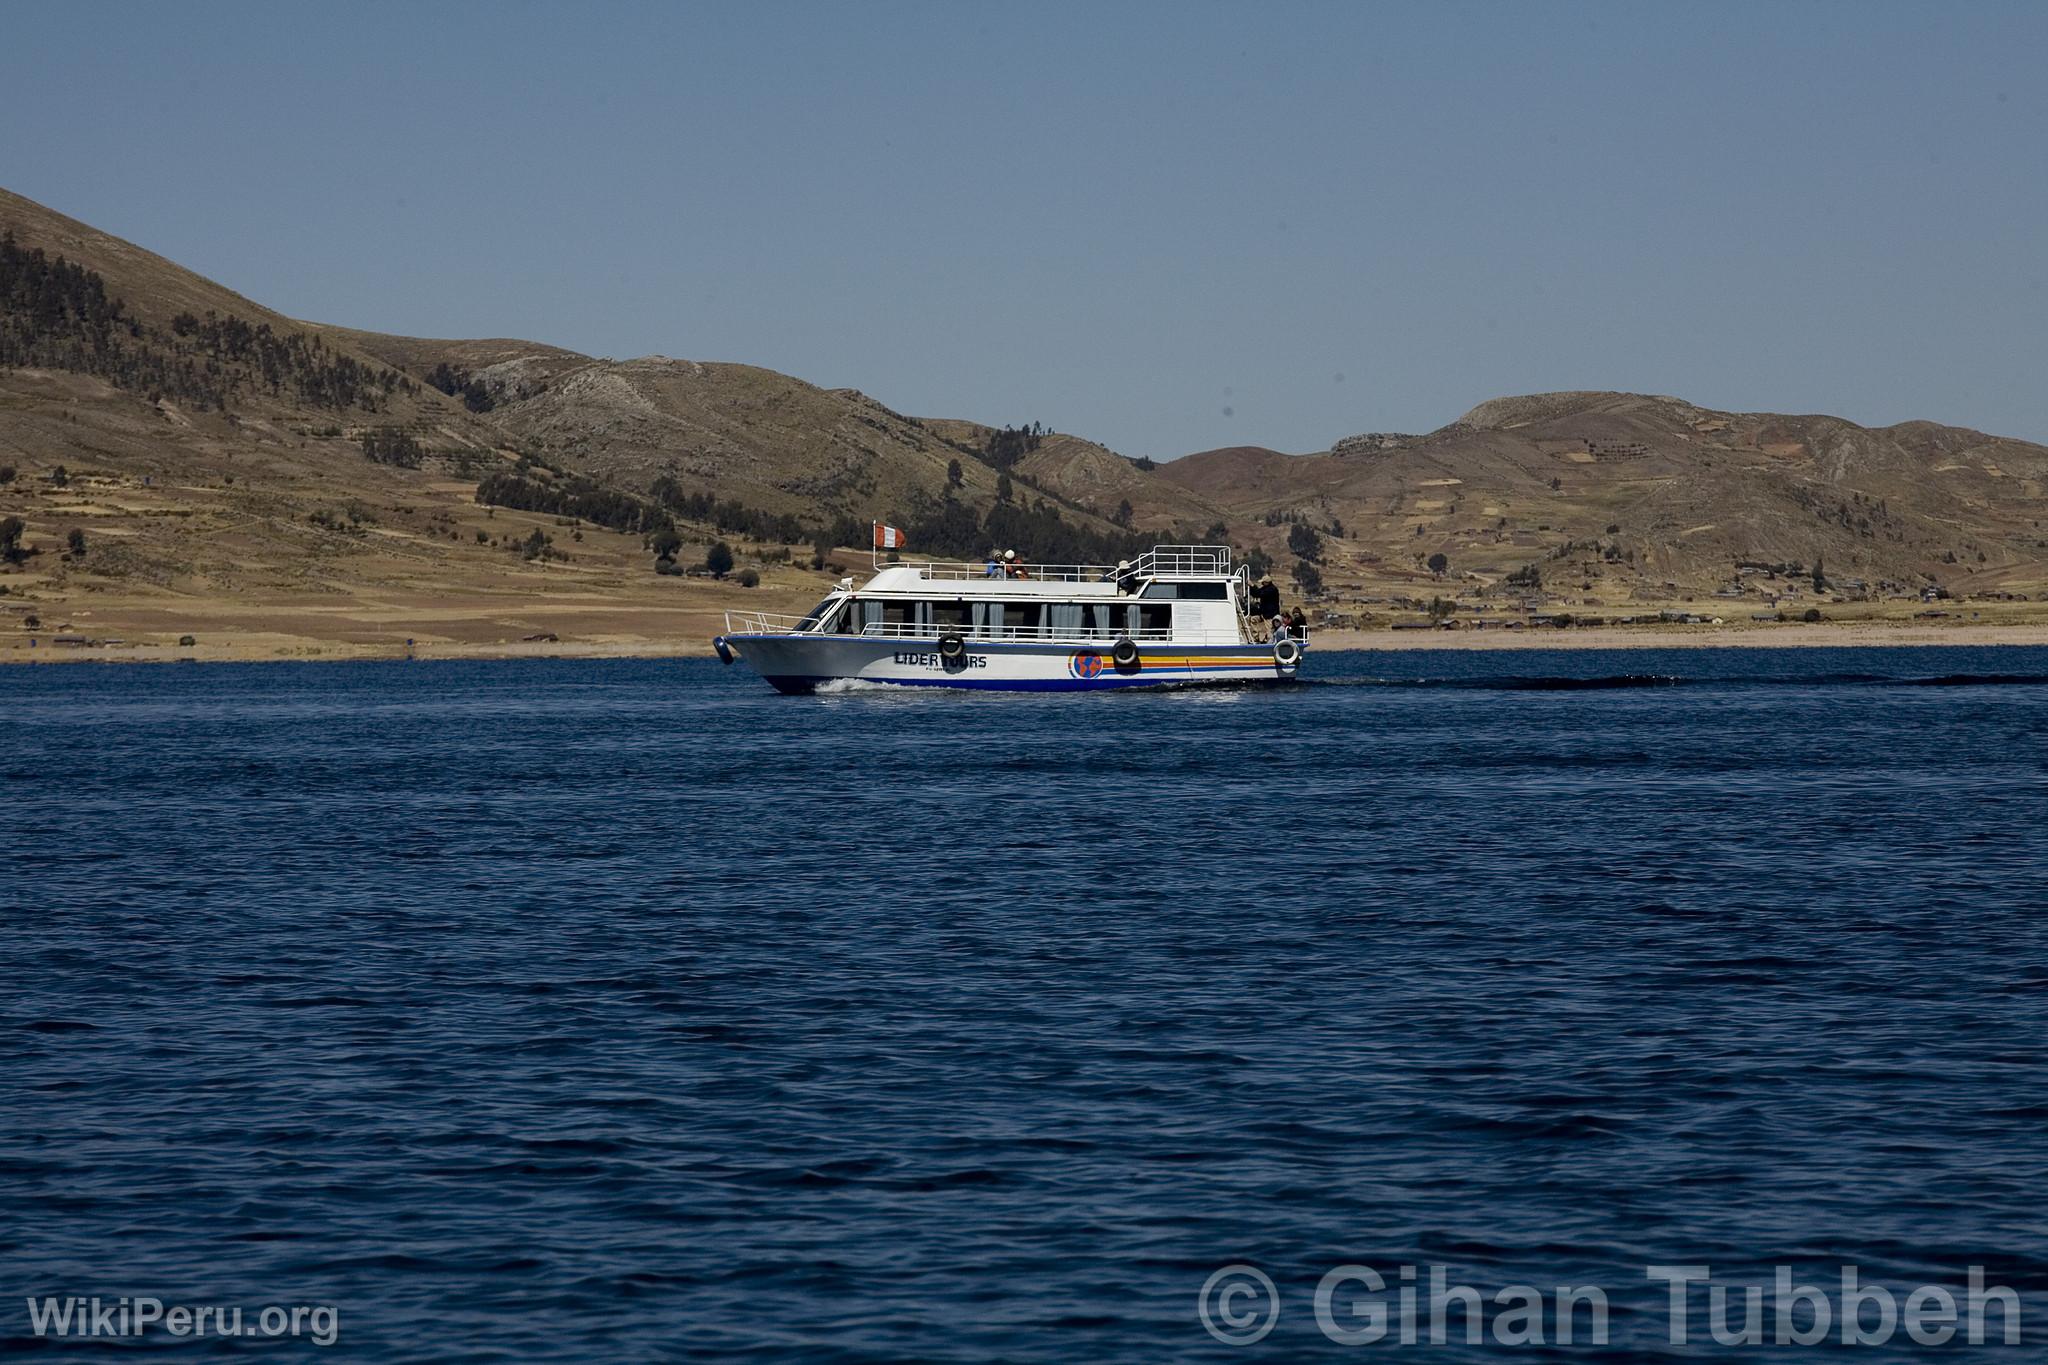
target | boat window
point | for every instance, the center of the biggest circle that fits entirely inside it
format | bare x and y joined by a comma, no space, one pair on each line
954,614
1022,616
1155,617
1064,617
816,615
1187,592
862,614
1101,618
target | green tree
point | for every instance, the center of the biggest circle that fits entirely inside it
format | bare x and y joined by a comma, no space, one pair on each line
76,543
955,475
666,542
10,538
1308,578
1439,562
6,473
749,578
718,559
1302,540
1123,514
1003,488
1820,580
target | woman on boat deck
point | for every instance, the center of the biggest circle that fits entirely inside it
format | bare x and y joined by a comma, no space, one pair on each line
994,568
1297,622
1014,565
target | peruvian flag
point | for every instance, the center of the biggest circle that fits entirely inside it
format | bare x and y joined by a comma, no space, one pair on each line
889,538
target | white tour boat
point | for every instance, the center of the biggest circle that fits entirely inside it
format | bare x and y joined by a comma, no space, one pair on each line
1174,617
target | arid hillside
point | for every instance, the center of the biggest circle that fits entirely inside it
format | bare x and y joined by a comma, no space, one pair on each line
1612,497
178,460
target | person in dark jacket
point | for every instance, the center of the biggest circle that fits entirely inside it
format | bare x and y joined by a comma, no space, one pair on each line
1268,598
1297,622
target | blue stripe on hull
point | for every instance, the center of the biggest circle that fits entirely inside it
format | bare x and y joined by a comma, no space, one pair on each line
798,686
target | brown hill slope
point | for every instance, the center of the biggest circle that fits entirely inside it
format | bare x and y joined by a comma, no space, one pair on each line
212,454
1096,478
207,452
761,437
742,433
1628,492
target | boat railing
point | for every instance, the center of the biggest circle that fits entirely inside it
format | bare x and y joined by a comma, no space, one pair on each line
1183,561
1161,561
1021,572
765,623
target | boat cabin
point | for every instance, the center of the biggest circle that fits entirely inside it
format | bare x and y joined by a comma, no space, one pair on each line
1185,594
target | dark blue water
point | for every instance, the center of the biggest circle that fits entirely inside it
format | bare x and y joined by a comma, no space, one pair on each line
623,1011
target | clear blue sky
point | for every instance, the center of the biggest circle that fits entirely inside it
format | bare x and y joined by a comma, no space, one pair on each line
1168,227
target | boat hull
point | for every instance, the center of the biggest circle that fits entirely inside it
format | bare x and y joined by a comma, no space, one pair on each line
802,663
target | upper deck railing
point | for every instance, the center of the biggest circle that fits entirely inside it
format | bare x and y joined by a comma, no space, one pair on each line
1161,561
1184,561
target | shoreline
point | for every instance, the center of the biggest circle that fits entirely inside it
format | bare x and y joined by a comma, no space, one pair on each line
1797,635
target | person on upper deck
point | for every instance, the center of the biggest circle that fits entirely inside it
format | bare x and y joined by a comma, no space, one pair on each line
994,568
1014,566
1126,578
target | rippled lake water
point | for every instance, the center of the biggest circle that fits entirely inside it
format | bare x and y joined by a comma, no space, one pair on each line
626,1010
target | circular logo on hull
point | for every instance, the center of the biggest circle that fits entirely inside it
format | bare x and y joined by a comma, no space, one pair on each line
1085,665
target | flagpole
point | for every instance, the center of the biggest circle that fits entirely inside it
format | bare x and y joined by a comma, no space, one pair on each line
874,545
